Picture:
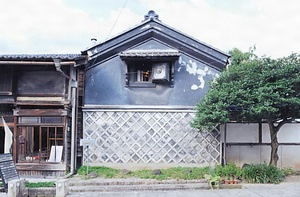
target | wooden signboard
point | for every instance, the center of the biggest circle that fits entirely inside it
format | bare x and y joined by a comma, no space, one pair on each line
8,169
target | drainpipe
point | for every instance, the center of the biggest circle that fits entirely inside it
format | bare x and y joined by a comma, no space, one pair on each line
57,63
73,135
58,67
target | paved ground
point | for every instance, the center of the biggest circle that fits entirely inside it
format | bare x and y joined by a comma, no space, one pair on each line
289,188
285,189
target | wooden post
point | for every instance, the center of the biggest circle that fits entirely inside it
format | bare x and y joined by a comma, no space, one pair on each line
15,146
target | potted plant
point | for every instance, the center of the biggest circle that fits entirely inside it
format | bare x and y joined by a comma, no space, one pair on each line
231,172
213,180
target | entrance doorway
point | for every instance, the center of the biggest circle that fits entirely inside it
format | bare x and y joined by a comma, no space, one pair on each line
39,143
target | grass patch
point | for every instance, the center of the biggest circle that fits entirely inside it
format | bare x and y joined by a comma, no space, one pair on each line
254,173
287,171
101,171
170,173
40,184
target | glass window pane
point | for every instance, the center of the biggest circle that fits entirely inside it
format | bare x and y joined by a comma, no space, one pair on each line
29,119
52,119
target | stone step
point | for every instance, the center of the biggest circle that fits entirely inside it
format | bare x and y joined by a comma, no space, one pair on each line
105,182
140,187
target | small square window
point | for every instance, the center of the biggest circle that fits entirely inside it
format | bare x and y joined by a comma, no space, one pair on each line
147,73
148,67
142,73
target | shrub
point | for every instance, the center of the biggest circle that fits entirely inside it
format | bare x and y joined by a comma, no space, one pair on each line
262,173
228,171
288,171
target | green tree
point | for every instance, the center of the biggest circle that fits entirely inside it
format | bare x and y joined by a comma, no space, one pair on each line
253,89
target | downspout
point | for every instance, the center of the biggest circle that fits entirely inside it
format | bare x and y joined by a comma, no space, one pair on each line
73,129
58,68
73,111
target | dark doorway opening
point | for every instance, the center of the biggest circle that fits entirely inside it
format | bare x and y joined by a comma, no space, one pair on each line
2,138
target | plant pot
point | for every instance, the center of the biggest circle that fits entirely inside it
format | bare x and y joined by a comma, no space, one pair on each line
227,181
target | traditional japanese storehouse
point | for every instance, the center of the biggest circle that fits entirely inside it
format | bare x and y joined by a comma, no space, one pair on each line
38,101
141,89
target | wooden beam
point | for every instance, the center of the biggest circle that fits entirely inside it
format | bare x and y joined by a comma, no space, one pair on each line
41,167
35,63
40,112
8,124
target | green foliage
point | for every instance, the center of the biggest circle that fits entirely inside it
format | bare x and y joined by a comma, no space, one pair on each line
262,173
101,171
170,173
39,184
173,173
228,171
258,173
252,89
288,171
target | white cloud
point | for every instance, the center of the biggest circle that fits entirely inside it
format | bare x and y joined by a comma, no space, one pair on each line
116,23
43,26
35,26
271,25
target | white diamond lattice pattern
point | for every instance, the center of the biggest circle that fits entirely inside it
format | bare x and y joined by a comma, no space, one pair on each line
148,137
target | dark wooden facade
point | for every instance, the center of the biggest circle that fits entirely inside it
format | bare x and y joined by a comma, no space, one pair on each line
39,100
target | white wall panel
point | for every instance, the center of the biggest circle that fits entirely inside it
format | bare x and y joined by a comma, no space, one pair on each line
238,132
289,133
290,157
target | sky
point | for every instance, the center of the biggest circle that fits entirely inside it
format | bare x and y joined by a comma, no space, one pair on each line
67,26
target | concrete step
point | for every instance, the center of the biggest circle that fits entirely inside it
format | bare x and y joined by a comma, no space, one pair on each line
113,182
138,187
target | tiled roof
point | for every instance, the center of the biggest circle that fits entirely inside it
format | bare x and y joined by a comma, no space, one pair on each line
38,56
150,53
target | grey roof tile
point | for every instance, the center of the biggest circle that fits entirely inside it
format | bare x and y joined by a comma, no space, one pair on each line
38,56
149,53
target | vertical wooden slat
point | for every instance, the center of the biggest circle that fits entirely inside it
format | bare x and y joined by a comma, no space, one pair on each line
48,145
40,140
15,139
260,132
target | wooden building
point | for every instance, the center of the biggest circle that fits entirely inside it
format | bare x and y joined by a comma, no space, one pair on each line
141,90
39,101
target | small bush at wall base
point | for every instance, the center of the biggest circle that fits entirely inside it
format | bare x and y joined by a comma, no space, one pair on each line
40,184
228,171
288,171
262,173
